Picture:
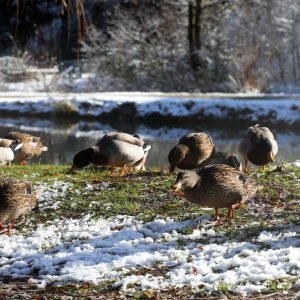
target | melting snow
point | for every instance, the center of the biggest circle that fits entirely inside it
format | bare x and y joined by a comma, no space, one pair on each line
87,250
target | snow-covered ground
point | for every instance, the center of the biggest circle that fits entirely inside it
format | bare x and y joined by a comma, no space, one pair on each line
127,252
215,106
85,250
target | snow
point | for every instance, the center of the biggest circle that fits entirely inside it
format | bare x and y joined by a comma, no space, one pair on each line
297,163
97,250
218,106
160,254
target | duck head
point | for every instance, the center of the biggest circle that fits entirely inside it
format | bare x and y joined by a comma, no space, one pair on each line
83,158
176,155
15,145
185,180
262,153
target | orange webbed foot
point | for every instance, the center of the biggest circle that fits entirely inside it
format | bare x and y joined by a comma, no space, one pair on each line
123,173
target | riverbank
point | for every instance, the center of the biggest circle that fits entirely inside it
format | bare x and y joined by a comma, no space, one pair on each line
101,236
157,108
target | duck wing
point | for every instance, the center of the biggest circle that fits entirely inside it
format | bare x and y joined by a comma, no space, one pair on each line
262,135
121,137
231,185
195,139
5,142
23,137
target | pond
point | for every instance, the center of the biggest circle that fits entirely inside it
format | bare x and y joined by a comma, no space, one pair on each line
65,138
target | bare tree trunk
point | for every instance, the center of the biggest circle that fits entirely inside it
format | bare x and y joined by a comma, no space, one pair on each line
295,53
195,10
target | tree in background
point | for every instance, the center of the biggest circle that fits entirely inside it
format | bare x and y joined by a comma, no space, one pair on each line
165,45
144,46
45,29
261,45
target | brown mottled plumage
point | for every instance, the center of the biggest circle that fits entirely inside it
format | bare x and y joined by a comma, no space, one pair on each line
115,149
216,186
258,146
32,146
17,197
193,150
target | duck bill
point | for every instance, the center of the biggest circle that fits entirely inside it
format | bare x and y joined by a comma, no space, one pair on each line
72,169
271,157
176,186
172,169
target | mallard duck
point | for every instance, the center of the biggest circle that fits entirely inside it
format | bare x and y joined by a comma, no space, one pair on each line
216,186
115,149
32,146
258,146
7,150
192,151
17,197
227,158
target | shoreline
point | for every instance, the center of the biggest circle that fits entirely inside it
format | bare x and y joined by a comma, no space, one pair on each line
155,108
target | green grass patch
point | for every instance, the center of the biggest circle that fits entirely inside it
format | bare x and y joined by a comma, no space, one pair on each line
148,194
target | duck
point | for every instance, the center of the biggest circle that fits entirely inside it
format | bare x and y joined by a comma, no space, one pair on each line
258,146
192,151
7,150
17,198
32,146
115,149
227,158
216,186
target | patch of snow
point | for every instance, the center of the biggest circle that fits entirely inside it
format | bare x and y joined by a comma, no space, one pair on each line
297,163
87,250
51,195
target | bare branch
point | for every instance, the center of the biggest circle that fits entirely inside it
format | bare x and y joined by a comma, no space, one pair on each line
214,2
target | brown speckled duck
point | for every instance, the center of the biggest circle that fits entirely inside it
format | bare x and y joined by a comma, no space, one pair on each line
258,146
7,150
115,149
32,146
17,197
192,151
216,186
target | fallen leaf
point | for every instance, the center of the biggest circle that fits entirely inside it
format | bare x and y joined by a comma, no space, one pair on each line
148,295
117,228
85,285
199,247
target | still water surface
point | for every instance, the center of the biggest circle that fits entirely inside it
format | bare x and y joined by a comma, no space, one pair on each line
64,139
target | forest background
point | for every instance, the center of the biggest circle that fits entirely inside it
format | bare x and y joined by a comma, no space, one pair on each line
159,45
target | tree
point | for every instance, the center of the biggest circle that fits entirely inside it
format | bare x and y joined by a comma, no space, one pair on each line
42,27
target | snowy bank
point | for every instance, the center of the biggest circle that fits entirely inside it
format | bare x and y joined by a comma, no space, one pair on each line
145,106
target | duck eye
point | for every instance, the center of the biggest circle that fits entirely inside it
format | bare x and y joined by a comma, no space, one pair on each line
28,191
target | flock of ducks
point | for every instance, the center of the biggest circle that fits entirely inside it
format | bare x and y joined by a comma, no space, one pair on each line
209,177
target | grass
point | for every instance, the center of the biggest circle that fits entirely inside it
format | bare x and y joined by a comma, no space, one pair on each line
147,195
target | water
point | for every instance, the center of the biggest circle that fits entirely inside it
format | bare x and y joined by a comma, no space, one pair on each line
64,139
